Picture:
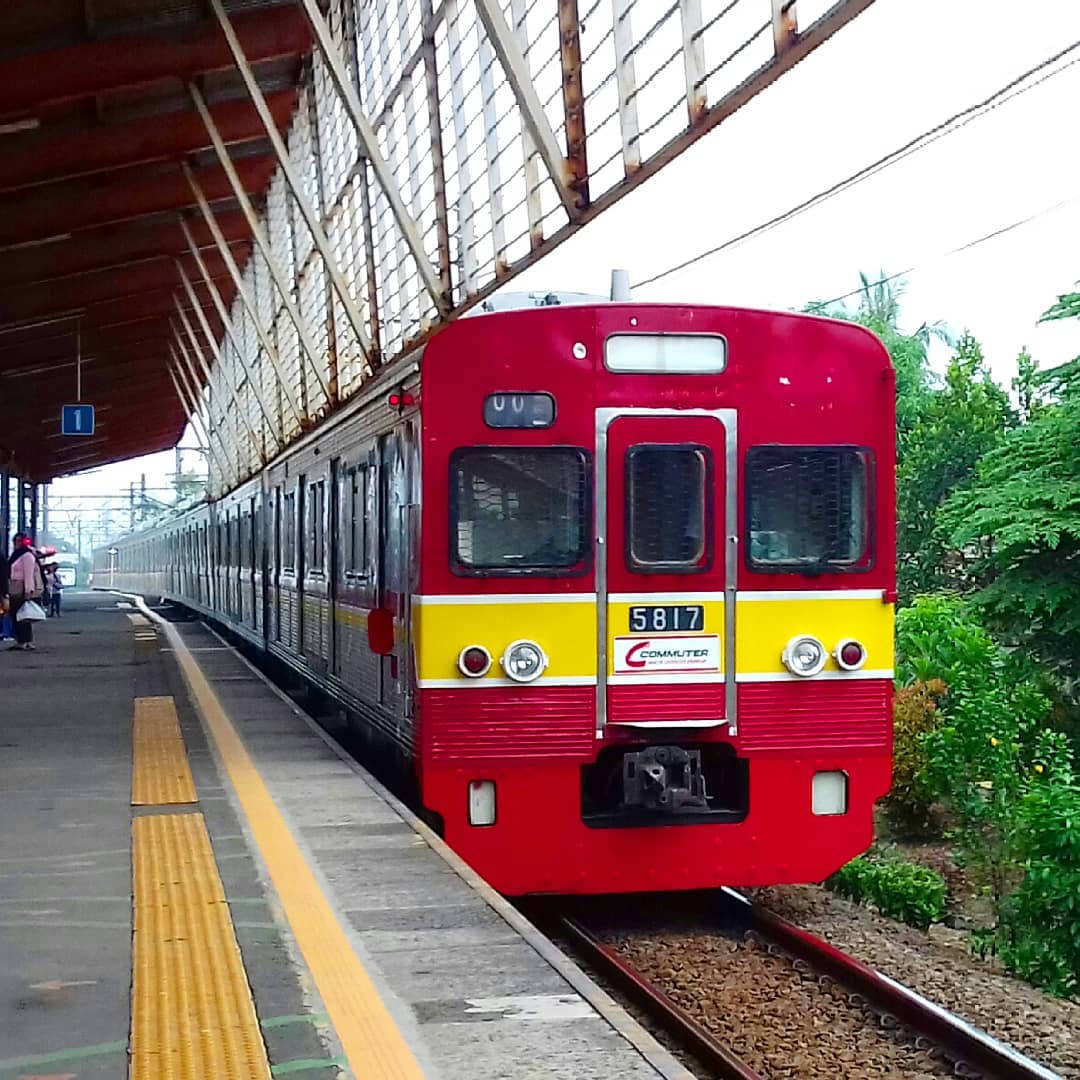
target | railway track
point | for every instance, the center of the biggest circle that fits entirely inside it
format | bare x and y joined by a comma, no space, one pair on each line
753,997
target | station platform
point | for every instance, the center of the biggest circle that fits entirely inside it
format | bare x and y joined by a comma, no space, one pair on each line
198,882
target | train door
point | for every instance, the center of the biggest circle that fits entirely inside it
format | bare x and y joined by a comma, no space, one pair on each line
666,517
395,584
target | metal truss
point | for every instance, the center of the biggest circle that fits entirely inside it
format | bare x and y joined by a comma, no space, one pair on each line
442,146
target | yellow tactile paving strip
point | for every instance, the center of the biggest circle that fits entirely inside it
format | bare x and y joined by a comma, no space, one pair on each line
374,1046
192,1016
161,775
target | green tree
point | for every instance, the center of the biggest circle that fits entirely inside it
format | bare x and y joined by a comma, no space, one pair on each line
1020,520
944,426
956,425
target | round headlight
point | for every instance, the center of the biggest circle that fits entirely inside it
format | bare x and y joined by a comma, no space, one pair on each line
850,654
474,661
804,655
524,661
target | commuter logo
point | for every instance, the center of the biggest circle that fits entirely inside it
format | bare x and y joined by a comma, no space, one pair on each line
675,653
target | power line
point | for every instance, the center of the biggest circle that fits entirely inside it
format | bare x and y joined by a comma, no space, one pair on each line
955,251
1008,92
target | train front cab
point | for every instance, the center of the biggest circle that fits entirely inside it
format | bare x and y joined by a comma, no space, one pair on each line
696,537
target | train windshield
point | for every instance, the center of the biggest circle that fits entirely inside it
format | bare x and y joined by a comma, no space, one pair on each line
518,511
807,507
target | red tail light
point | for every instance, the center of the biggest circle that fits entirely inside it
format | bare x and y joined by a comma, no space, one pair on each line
850,655
474,661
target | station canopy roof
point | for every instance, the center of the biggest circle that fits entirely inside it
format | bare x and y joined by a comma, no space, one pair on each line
96,125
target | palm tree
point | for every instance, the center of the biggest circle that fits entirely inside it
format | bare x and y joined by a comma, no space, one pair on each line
879,308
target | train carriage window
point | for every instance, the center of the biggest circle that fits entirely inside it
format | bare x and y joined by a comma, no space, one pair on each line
288,533
256,537
516,511
356,491
668,524
316,530
808,508
245,541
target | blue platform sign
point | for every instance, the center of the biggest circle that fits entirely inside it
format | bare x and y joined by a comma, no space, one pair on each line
77,420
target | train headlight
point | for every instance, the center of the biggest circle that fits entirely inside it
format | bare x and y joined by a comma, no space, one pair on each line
474,661
524,661
850,654
804,655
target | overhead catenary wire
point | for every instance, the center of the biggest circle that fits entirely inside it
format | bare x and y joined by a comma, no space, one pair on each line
1012,89
993,235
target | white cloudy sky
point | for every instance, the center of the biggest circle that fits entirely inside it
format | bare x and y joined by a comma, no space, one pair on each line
900,68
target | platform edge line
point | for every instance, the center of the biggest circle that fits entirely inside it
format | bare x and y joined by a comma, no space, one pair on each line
373,1043
650,1049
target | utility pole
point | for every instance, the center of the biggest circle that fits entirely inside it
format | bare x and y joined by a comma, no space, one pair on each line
131,506
78,548
45,512
142,499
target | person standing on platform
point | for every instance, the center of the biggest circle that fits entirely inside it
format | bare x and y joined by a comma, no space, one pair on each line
56,589
25,583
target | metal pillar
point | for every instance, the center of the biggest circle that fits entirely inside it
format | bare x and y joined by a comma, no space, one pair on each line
229,448
370,145
517,74
190,407
295,186
221,366
230,333
228,472
284,286
242,291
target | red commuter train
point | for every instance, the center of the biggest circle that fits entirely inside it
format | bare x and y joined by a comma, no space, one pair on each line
614,581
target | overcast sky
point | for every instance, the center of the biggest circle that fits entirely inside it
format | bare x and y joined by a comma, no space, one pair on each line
900,68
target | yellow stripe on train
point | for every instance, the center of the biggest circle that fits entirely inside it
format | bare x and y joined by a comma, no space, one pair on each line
765,624
566,631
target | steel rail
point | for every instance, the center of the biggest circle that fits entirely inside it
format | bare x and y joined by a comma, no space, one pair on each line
963,1042
675,1020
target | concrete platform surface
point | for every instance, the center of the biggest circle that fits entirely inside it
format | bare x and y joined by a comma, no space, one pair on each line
397,961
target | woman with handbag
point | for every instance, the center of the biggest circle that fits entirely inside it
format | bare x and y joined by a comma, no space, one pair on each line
25,584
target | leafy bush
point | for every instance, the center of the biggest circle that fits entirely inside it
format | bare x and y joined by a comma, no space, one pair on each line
1008,782
913,894
910,806
938,638
1039,935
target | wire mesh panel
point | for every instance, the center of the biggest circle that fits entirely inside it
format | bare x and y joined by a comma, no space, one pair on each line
501,127
441,147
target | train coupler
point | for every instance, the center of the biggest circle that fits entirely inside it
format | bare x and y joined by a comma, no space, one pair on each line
666,778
